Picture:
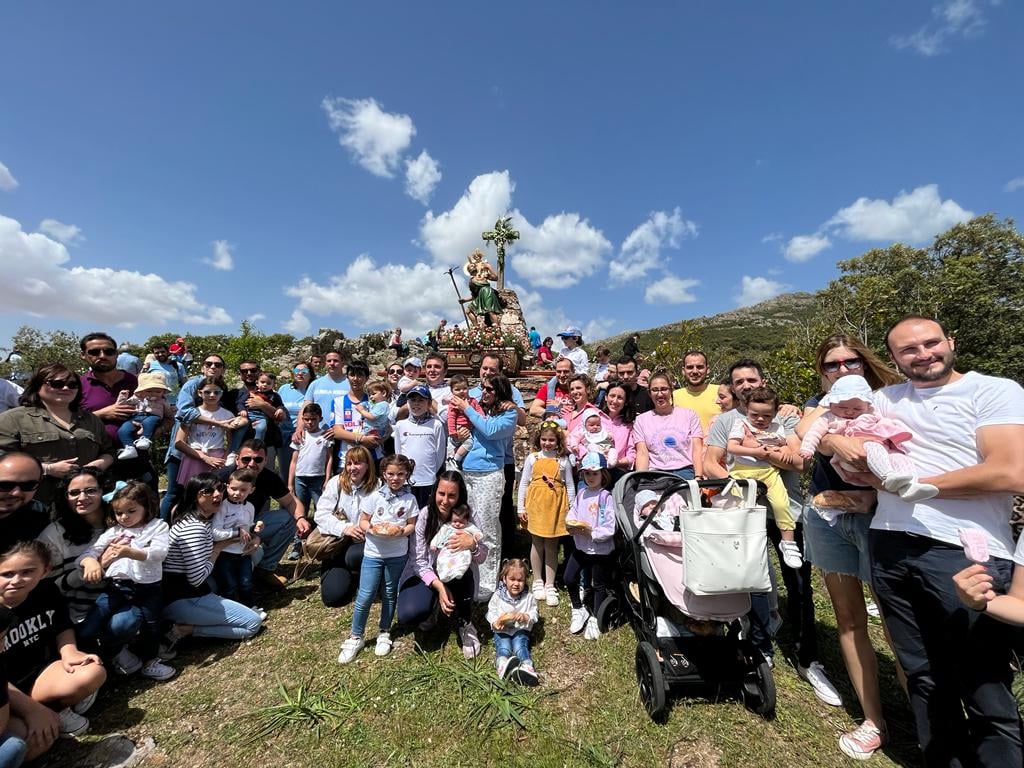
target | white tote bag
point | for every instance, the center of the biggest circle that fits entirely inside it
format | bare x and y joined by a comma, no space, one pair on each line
725,550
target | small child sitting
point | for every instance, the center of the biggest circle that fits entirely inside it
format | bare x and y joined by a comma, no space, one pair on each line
261,425
376,416
452,565
512,612
457,419
234,522
851,414
151,407
592,437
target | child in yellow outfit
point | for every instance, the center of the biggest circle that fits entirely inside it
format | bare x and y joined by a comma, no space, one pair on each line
757,439
546,491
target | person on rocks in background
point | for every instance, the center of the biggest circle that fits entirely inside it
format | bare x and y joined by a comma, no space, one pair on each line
534,339
544,353
573,350
697,393
396,344
127,361
631,347
639,397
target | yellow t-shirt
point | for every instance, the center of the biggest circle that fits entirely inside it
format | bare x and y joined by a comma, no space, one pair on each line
703,405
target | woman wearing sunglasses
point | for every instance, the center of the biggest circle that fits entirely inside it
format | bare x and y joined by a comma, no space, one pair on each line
52,427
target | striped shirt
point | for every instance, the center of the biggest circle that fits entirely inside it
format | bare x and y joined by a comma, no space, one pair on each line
190,548
67,575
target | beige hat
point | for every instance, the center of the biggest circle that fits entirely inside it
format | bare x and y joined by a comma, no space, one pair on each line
152,380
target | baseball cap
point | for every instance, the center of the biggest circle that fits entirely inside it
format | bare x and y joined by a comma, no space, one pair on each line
594,460
420,389
414,361
572,330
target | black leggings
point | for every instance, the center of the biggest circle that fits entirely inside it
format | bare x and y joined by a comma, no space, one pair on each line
599,568
416,600
338,577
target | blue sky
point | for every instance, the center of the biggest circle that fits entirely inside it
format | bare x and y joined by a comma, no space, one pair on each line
182,167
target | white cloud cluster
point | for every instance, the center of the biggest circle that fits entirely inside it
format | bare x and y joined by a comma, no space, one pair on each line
671,290
951,19
41,283
68,234
1014,184
641,250
558,253
223,258
913,217
378,140
7,180
754,290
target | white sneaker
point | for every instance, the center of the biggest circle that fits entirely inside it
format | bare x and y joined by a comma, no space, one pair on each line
790,552
872,609
551,596
578,620
126,662
143,443
820,684
260,612
350,649
230,461
156,670
504,662
126,453
383,647
592,632
72,724
538,589
85,704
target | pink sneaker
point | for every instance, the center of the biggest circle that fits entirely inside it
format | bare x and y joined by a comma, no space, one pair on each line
470,641
862,742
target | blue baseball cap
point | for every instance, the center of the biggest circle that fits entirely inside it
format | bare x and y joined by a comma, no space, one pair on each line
420,389
594,461
572,330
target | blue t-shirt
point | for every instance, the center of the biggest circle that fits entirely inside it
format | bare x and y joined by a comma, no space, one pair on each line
293,400
324,390
534,339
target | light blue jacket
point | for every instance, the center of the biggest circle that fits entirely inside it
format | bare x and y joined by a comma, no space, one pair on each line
490,436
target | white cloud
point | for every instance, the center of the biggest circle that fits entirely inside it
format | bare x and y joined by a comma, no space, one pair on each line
557,254
298,324
68,234
641,250
912,216
560,252
772,237
255,318
754,290
7,180
671,290
40,282
1014,184
379,295
421,176
951,19
804,247
451,235
222,258
375,138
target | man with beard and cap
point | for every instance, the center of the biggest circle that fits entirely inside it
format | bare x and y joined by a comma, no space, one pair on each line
968,441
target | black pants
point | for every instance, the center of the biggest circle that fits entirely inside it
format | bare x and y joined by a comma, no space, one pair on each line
957,660
416,600
338,577
507,519
598,569
422,494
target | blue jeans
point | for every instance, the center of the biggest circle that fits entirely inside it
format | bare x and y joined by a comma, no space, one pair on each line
214,616
128,604
841,548
259,424
173,489
308,489
284,453
684,472
12,750
373,571
233,574
517,645
278,532
127,434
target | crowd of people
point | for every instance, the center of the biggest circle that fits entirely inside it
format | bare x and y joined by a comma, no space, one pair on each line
402,485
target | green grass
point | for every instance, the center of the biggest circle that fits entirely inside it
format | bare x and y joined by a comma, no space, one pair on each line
282,700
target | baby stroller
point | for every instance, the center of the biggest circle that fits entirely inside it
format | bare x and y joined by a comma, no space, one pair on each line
683,638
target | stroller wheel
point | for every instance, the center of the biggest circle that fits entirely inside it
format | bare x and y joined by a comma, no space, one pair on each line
608,614
651,680
759,690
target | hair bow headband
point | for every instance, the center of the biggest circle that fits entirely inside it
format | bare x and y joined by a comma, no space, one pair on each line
109,497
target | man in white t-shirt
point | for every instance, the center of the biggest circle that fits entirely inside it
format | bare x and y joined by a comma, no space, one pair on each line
968,440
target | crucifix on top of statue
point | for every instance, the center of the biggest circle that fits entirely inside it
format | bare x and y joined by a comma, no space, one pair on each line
501,235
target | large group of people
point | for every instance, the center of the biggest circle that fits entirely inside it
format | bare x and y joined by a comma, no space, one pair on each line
402,485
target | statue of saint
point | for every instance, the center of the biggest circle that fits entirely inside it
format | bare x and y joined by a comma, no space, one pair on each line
484,302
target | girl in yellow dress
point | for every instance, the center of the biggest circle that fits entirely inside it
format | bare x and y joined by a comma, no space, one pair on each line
546,491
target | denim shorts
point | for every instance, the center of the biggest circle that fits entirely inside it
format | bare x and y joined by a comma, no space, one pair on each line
841,548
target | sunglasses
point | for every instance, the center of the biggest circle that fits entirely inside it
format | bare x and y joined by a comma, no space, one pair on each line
213,364
248,370
396,371
252,460
6,486
300,371
211,491
101,352
852,364
487,389
62,384
74,493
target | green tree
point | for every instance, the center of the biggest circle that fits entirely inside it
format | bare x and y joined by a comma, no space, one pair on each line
38,347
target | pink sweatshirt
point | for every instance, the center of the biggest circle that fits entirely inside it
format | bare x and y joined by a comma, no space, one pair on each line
457,418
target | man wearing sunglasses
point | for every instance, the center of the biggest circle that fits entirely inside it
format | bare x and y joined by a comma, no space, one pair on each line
102,383
21,517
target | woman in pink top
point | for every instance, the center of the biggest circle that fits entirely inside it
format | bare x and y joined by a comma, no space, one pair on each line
581,393
620,426
668,438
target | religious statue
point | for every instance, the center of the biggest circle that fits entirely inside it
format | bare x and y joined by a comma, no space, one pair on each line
501,235
484,303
